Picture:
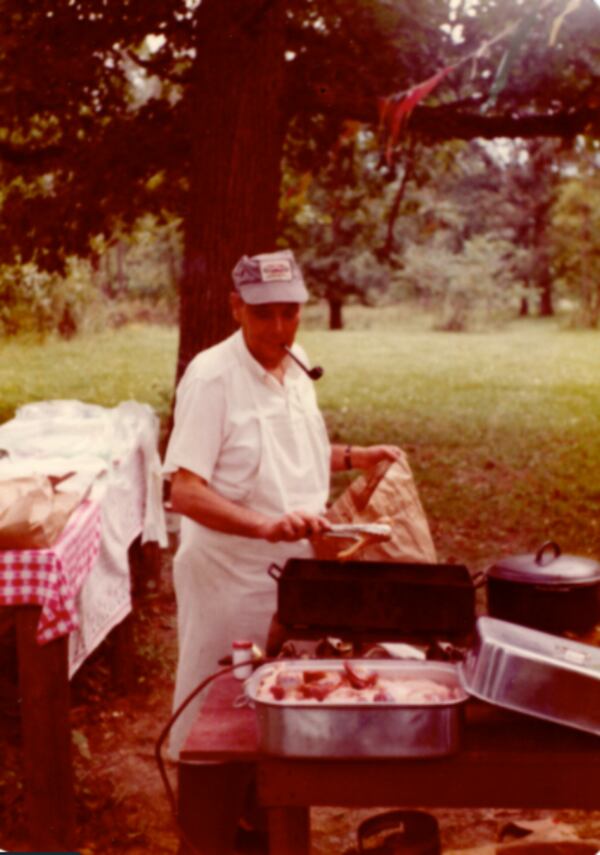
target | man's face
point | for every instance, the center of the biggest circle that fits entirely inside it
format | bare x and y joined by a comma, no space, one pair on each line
267,328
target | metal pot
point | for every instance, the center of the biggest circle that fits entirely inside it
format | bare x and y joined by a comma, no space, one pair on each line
347,729
548,590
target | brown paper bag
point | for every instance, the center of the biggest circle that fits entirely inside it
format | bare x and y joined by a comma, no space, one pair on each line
32,514
385,494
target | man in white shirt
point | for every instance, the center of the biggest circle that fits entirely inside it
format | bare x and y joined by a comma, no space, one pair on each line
250,463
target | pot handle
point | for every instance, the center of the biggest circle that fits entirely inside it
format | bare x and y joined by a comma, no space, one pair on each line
275,572
541,556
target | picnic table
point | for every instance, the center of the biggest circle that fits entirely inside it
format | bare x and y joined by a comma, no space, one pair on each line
64,600
507,760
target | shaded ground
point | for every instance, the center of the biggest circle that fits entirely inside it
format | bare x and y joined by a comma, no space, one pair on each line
121,805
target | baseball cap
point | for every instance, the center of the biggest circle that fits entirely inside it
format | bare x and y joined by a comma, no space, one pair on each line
271,277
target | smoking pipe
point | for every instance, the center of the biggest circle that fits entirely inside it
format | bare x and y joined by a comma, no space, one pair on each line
314,373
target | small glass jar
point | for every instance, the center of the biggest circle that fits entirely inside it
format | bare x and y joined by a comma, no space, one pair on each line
241,655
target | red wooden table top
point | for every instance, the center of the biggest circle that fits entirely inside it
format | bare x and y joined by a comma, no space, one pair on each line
225,730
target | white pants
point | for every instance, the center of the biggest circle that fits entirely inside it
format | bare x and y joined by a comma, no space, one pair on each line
221,596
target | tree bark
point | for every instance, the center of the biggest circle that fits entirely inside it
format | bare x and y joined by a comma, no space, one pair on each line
546,297
335,314
120,258
394,210
238,133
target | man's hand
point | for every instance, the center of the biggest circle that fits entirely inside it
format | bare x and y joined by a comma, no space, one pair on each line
293,526
371,455
361,456
192,496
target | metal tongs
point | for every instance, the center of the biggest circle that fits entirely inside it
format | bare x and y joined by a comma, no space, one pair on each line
363,535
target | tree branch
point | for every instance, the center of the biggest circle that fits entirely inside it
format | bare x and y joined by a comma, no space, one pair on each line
440,123
446,121
408,170
22,155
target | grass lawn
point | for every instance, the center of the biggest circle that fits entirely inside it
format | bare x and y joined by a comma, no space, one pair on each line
130,363
502,429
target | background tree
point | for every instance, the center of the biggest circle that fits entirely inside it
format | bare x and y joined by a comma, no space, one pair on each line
576,242
531,181
335,221
505,192
109,111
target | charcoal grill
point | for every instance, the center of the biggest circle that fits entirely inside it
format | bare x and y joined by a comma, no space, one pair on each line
374,600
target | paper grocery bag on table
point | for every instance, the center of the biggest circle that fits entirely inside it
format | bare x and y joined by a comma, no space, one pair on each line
33,513
386,494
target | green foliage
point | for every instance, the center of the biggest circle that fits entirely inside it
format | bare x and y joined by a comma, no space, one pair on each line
458,227
576,244
335,221
34,301
114,110
145,262
91,137
136,362
135,276
503,193
100,112
525,66
468,289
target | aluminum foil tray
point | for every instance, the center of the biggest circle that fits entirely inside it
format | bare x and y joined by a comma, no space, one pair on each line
354,730
533,672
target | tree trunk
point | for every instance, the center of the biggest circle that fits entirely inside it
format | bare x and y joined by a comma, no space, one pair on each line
545,286
108,286
335,314
237,132
120,257
394,210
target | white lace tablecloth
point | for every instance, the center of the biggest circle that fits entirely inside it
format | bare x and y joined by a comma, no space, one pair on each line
113,453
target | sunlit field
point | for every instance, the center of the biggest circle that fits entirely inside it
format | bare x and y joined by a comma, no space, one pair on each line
502,429
134,362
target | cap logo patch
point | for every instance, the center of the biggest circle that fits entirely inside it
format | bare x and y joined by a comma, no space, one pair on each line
275,271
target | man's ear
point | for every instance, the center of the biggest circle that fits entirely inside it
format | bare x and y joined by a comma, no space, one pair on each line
236,303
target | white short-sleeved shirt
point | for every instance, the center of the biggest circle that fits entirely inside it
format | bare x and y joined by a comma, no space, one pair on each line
216,434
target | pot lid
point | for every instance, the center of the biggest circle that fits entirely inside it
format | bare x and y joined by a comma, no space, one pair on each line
507,659
548,566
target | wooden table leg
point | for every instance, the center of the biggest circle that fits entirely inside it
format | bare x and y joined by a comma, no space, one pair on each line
48,770
145,561
122,655
211,801
144,572
289,830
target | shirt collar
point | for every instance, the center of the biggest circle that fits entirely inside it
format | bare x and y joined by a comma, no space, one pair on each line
292,371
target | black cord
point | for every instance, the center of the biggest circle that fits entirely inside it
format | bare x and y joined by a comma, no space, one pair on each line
165,732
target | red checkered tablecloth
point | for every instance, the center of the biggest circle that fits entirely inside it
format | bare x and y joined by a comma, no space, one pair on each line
51,578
